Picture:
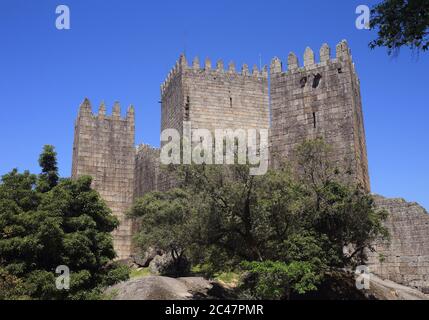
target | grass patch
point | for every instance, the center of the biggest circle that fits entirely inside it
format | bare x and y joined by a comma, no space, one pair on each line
197,269
140,273
230,278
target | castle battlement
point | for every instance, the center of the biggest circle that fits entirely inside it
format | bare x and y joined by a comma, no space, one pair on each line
342,54
104,149
182,65
85,111
320,99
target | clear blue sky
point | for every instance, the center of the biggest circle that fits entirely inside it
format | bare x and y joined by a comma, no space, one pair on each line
122,50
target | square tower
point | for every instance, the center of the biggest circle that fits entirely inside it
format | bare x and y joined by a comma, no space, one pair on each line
214,98
319,100
104,149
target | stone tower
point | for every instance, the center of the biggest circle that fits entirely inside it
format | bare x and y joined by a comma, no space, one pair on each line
319,100
215,98
206,98
104,149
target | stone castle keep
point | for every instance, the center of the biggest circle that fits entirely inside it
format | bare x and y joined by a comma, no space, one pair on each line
318,99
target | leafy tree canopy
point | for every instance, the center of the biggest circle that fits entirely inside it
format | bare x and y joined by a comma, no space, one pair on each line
286,229
44,224
401,23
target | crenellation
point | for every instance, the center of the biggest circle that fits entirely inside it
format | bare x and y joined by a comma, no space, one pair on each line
343,51
264,72
231,67
208,64
325,53
130,112
196,63
276,66
245,70
85,108
255,71
219,66
116,114
170,78
308,57
292,62
182,63
102,110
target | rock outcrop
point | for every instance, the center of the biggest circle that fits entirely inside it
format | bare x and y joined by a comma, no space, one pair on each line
143,260
197,288
388,290
165,288
166,265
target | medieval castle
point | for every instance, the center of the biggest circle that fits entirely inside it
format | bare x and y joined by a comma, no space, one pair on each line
318,99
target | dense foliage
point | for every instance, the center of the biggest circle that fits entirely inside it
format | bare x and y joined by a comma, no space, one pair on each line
401,23
46,223
285,230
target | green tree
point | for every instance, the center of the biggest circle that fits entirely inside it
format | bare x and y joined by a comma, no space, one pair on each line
44,224
11,287
167,223
285,225
276,280
48,162
401,23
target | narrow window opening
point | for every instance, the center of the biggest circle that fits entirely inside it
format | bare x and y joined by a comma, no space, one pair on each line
340,70
187,105
316,80
230,102
303,82
314,120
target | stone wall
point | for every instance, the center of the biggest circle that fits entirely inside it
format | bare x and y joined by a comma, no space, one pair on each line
319,100
405,257
147,170
104,149
212,98
225,99
173,100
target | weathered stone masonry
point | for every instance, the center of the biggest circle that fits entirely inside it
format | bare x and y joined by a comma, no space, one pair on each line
405,258
215,98
104,149
211,98
317,100
147,170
